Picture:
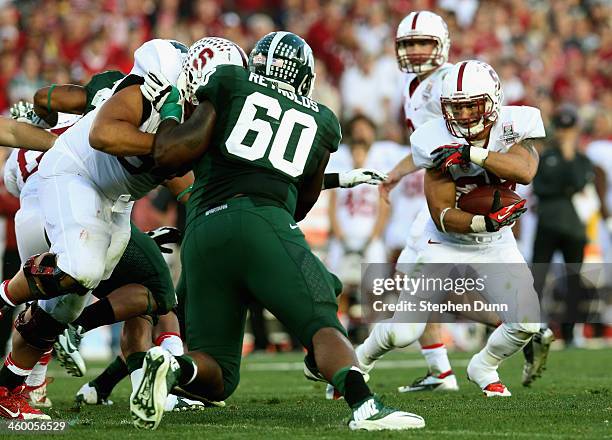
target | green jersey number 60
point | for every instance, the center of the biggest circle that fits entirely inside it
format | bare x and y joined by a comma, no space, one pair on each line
248,122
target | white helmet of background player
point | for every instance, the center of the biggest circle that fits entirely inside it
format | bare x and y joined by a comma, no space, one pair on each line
471,87
422,25
202,59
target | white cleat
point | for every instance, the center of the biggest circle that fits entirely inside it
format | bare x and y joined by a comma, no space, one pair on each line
37,395
67,351
541,343
89,395
442,382
182,404
147,401
372,415
496,389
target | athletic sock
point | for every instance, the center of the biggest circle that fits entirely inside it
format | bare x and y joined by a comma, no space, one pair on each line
189,369
110,377
350,383
96,315
39,372
12,375
171,342
5,298
437,358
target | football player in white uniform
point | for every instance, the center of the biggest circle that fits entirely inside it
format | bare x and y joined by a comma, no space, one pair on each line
422,47
477,142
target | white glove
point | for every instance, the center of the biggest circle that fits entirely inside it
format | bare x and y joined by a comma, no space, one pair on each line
361,175
24,112
156,89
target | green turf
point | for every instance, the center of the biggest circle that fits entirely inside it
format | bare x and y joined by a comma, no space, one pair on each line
573,400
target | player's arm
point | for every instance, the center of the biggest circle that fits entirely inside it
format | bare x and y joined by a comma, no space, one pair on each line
402,169
335,228
22,135
115,129
67,98
519,164
440,193
310,190
176,146
180,187
381,221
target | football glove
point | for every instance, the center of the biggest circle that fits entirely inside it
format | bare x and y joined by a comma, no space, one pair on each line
165,235
448,155
501,216
163,96
358,176
24,112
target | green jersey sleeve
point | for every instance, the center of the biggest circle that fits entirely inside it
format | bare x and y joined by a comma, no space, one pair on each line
331,126
217,87
100,81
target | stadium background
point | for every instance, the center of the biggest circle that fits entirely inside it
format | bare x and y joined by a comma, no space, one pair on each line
547,53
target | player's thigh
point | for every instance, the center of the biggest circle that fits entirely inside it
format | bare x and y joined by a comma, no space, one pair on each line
214,302
29,230
285,276
77,222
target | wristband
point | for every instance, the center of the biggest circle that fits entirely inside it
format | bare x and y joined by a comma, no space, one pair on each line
184,192
49,110
171,111
331,180
478,224
478,155
442,214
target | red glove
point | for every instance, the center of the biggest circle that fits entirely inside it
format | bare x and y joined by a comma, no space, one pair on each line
501,216
447,155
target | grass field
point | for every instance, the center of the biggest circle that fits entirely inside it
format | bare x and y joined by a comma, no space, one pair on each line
573,400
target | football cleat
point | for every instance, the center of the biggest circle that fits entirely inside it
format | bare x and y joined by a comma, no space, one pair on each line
442,382
38,395
88,394
372,415
311,372
496,389
67,351
535,358
14,405
182,404
160,373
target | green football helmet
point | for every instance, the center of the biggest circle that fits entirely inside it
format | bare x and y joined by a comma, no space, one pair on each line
285,59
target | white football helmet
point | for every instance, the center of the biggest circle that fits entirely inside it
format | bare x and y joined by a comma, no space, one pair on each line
471,98
422,25
165,56
202,59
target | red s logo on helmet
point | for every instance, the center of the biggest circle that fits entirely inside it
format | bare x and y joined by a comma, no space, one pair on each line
205,55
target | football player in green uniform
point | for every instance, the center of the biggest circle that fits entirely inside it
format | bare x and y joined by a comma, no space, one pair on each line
258,146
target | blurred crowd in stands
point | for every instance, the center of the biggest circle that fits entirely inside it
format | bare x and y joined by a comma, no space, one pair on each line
547,53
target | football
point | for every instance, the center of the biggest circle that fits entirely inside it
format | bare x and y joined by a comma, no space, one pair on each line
480,200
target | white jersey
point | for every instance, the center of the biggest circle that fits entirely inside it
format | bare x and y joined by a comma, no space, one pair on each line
357,208
22,165
422,99
513,125
113,175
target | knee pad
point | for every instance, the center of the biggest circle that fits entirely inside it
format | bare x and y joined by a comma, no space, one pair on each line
39,331
66,308
46,280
